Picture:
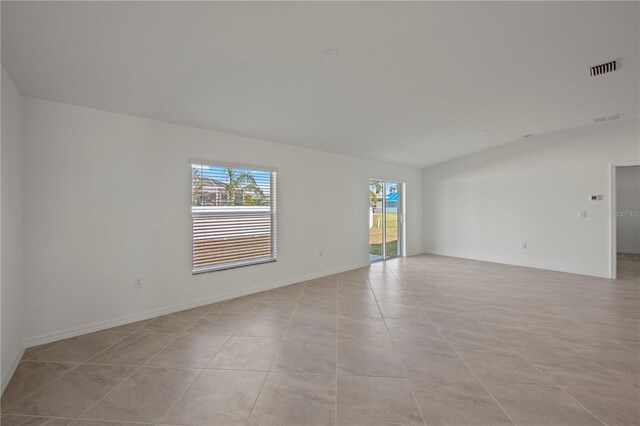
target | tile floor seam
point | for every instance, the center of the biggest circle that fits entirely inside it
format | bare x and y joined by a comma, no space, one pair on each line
377,304
393,345
611,372
553,384
56,344
206,367
40,417
179,396
108,393
266,376
567,393
117,422
472,372
105,349
136,369
629,347
234,369
562,388
77,364
258,302
335,413
50,362
41,387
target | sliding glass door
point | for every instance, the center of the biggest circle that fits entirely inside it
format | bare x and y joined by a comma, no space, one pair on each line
376,215
385,220
392,226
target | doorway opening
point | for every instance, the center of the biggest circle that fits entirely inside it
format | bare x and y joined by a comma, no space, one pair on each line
625,221
386,236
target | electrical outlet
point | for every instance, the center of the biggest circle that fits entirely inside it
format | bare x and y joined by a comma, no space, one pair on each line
137,283
523,246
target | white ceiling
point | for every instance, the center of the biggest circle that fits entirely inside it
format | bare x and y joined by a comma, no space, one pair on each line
413,83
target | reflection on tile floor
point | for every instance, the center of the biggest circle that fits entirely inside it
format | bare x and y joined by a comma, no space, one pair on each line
421,340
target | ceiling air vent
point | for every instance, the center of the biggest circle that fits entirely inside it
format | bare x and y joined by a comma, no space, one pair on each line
609,118
603,68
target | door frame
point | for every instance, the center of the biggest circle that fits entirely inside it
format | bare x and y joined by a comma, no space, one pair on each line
401,220
613,217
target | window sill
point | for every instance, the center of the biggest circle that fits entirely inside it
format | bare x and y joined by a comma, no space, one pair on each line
222,267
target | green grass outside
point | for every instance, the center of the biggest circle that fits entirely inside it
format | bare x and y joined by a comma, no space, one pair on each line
392,249
392,220
375,235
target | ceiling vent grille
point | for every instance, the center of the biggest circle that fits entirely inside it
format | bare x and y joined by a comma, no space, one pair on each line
613,117
603,68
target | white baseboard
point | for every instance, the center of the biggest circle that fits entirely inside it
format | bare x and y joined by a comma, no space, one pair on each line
527,265
102,325
14,365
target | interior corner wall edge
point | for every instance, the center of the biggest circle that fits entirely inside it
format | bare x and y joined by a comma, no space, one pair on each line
109,201
11,267
486,205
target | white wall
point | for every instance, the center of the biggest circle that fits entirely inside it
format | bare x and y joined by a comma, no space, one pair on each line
628,208
109,200
11,276
485,205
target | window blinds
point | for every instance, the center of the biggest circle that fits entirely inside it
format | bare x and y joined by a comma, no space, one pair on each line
233,211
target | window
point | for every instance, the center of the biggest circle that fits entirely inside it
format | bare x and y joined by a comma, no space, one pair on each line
233,213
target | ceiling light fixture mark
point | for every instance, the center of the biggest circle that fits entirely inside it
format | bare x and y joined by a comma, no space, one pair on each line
329,55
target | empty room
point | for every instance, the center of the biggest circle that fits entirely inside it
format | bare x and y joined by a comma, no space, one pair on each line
320,213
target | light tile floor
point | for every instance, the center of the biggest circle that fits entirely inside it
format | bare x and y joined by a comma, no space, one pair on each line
422,340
